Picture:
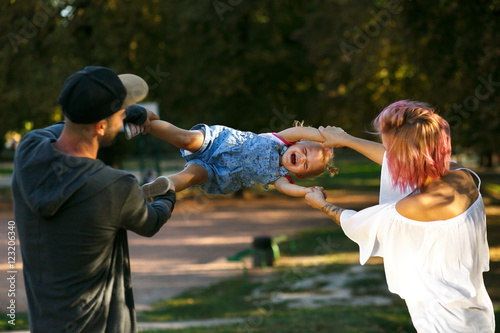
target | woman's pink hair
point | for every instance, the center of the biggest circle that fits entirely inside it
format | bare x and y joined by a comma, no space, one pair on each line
417,143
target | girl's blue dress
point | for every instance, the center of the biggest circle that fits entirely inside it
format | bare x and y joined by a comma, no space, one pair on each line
235,160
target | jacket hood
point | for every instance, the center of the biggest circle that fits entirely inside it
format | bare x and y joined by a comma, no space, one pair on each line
47,178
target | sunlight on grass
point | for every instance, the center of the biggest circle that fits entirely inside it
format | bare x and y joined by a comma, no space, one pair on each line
221,300
183,301
21,323
495,188
339,258
318,254
331,319
495,253
357,182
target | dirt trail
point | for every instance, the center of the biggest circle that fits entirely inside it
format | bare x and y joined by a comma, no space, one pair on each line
190,250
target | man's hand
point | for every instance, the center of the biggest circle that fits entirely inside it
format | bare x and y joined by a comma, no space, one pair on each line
147,124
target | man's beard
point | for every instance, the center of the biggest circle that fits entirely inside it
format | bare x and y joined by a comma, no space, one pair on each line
108,138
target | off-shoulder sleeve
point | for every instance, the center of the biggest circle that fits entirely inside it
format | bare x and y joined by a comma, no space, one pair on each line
441,260
389,193
363,228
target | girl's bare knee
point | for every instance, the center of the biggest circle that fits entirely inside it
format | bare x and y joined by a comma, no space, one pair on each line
198,173
192,140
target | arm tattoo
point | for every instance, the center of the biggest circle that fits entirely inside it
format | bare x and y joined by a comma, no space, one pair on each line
333,212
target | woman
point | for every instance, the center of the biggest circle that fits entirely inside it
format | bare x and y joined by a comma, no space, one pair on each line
430,225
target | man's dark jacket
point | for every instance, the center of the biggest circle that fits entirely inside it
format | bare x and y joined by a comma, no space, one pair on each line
72,216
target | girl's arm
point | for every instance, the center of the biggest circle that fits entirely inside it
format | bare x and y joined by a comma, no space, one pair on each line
294,134
337,137
284,186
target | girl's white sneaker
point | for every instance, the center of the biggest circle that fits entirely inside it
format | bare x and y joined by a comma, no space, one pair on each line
157,187
132,130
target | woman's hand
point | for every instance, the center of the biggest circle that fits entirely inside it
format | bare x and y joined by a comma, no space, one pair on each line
334,136
316,197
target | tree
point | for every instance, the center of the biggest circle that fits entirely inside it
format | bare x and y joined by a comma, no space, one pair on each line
259,65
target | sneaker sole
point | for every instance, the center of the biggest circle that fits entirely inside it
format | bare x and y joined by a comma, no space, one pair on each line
159,186
132,130
126,129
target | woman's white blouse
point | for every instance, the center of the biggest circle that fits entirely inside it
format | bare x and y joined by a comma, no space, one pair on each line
438,262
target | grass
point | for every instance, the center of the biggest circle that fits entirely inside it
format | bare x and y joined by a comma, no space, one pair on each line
352,176
493,187
318,241
251,299
238,298
492,192
21,323
221,300
7,171
232,297
326,319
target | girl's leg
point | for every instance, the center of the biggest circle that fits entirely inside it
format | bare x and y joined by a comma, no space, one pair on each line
190,140
193,174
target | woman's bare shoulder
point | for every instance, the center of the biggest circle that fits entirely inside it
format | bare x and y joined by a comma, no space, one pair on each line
412,207
447,198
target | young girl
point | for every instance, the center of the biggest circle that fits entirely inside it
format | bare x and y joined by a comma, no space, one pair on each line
222,160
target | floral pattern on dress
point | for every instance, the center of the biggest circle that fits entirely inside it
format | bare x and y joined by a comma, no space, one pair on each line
236,159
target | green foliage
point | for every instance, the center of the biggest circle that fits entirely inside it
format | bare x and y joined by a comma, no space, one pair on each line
361,175
21,322
259,65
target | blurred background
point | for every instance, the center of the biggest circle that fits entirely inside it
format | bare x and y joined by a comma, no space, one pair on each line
258,65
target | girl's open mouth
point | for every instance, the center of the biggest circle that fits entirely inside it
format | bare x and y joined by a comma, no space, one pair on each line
293,158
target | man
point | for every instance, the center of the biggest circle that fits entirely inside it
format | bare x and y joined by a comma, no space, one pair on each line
73,211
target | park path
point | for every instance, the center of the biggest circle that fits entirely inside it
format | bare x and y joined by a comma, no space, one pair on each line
190,250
